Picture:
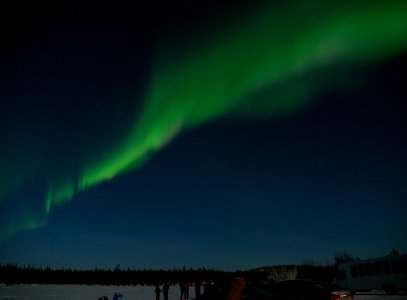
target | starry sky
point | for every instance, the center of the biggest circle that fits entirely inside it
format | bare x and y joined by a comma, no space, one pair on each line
202,133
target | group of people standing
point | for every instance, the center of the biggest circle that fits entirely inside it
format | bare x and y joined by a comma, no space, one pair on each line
166,288
184,287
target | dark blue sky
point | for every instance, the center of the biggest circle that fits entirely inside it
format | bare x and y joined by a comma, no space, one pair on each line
228,194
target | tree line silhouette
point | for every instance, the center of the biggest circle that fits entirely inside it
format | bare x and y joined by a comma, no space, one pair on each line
13,274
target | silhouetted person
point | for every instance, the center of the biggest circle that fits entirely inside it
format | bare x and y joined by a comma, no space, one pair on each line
166,287
181,286
197,289
157,292
205,286
234,288
186,289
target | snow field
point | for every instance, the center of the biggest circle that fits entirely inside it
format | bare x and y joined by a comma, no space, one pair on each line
93,292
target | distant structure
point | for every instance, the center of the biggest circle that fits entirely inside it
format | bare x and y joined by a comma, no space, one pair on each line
387,273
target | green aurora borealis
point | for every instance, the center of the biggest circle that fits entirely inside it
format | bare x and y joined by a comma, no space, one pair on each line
196,77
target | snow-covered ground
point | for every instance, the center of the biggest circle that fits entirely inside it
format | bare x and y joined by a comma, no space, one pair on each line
81,292
379,296
93,292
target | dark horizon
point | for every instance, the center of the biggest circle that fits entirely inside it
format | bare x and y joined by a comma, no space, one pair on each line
11,275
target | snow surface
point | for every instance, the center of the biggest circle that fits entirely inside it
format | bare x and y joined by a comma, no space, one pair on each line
82,292
93,292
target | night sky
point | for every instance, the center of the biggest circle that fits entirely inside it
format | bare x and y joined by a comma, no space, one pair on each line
202,133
